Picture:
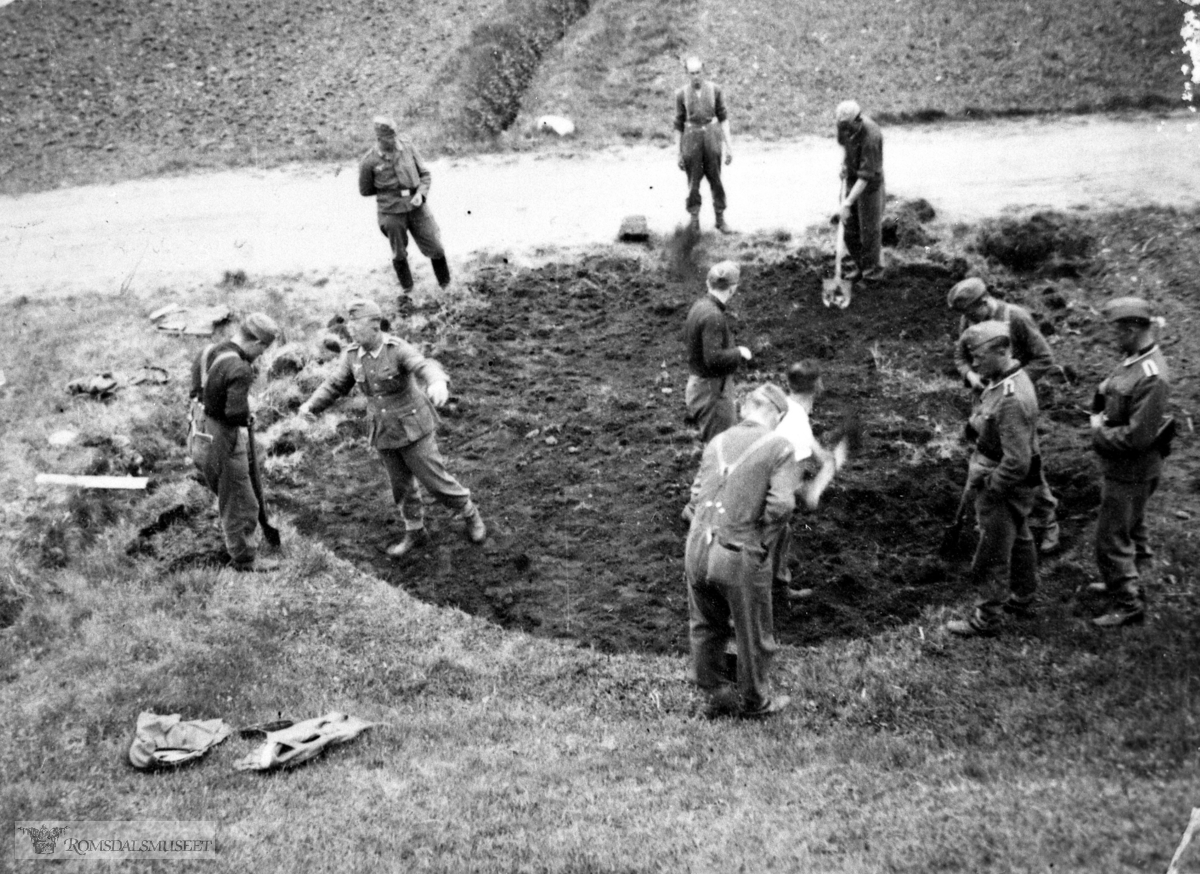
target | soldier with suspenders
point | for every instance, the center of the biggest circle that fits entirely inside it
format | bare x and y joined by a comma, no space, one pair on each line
702,138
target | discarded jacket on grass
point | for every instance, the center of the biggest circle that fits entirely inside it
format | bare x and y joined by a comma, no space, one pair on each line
302,741
166,741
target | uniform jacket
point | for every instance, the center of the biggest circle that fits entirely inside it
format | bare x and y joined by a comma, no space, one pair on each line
1029,347
710,348
862,155
227,395
394,179
401,414
698,107
748,508
1006,453
1135,404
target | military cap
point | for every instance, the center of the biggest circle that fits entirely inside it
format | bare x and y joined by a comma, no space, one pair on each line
724,274
693,64
364,309
979,335
772,394
385,122
805,377
1133,309
261,327
966,293
847,110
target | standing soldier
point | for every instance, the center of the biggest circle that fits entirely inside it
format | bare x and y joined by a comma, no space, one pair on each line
1003,473
703,141
394,174
1131,433
861,209
743,496
971,298
219,441
403,421
712,357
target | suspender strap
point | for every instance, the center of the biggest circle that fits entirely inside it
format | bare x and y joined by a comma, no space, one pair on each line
726,471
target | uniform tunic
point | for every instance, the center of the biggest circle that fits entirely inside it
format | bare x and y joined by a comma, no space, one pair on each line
712,360
392,179
403,420
728,559
1004,471
862,158
699,114
1135,402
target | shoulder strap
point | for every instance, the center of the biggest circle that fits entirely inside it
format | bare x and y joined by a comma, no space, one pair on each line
726,470
206,366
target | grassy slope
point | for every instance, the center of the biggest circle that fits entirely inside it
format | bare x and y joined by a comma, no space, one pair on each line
905,752
99,92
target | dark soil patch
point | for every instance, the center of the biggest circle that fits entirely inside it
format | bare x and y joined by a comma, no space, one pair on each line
569,429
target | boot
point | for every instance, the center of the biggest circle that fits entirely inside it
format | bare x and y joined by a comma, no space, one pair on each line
414,538
441,270
1023,574
476,531
403,274
694,223
721,226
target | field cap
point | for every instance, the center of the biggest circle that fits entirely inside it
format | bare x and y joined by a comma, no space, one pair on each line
773,395
980,335
723,275
1132,309
261,327
805,377
847,110
364,309
693,64
384,122
966,294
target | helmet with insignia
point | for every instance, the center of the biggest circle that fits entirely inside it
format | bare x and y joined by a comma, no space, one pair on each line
1131,309
966,294
983,334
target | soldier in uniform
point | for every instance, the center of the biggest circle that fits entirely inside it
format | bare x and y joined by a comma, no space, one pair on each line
219,441
971,299
702,138
1003,473
712,357
403,421
393,173
743,496
861,209
1131,432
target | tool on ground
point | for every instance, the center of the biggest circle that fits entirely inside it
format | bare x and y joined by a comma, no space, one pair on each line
956,543
837,290
270,532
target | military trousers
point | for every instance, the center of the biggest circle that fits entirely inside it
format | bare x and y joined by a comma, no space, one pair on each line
225,468
1123,552
701,149
421,462
1006,558
864,230
421,224
710,405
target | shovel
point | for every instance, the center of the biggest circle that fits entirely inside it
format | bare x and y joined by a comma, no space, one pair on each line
270,532
957,542
838,290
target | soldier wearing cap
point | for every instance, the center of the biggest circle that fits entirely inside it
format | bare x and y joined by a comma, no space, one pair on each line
1131,432
971,299
219,440
393,173
861,208
743,495
703,141
713,358
403,387
1004,475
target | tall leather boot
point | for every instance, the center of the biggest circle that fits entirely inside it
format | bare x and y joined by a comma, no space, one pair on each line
403,274
441,270
1023,574
721,226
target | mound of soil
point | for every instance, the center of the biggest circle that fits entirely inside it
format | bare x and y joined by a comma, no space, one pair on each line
568,425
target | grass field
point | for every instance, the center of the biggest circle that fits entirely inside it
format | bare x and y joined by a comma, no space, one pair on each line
99,93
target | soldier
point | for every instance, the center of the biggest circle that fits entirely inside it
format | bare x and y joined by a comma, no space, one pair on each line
971,299
393,173
743,495
1131,433
219,441
861,209
1003,473
403,421
712,357
703,141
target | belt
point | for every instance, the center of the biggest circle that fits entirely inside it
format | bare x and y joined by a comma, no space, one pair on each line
699,124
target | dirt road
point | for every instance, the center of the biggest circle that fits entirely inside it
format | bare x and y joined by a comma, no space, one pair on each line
310,219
